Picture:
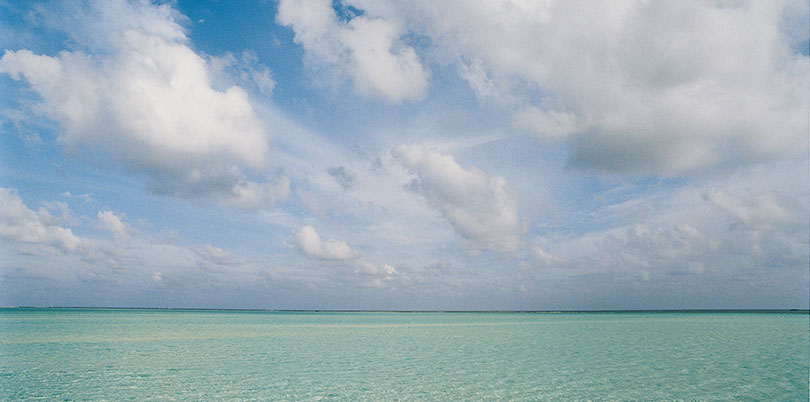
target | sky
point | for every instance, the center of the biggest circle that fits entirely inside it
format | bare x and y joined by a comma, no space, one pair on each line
406,155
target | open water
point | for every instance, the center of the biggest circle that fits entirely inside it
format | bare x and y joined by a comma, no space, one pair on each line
106,354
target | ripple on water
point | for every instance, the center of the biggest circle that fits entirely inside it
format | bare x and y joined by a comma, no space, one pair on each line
145,355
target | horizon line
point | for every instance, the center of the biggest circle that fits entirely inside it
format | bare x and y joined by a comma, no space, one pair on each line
282,310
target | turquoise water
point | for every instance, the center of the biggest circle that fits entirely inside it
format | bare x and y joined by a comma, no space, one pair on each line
84,354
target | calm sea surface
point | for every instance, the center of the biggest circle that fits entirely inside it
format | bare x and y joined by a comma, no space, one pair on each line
86,354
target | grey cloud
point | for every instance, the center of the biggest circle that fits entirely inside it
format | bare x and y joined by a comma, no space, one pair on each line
343,176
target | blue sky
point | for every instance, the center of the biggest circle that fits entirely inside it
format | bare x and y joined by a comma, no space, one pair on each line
404,155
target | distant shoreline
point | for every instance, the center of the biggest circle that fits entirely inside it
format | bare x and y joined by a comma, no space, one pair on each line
258,310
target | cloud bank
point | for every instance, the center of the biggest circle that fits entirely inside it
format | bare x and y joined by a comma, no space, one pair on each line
669,88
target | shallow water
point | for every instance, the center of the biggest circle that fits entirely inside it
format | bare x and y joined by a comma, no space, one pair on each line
86,354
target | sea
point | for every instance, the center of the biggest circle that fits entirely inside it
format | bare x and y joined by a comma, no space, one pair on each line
76,354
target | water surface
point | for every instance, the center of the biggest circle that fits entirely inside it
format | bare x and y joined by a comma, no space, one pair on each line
104,354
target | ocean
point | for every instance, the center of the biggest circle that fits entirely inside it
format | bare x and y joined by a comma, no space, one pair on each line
144,354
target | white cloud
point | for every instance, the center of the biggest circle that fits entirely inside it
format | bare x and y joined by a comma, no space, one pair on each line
379,276
108,220
310,243
367,50
664,87
550,125
250,195
42,248
760,211
87,197
245,69
482,83
146,99
750,228
481,208
215,255
23,227
542,256
385,217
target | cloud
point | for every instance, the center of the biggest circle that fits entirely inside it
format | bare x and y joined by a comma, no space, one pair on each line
245,69
383,215
217,256
41,234
343,176
309,242
108,220
481,208
366,50
743,231
24,227
542,256
146,98
549,125
87,197
662,87
379,276
250,195
758,211
43,253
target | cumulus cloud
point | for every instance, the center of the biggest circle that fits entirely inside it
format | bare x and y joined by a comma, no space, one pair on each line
481,208
369,51
24,227
310,243
663,87
145,97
